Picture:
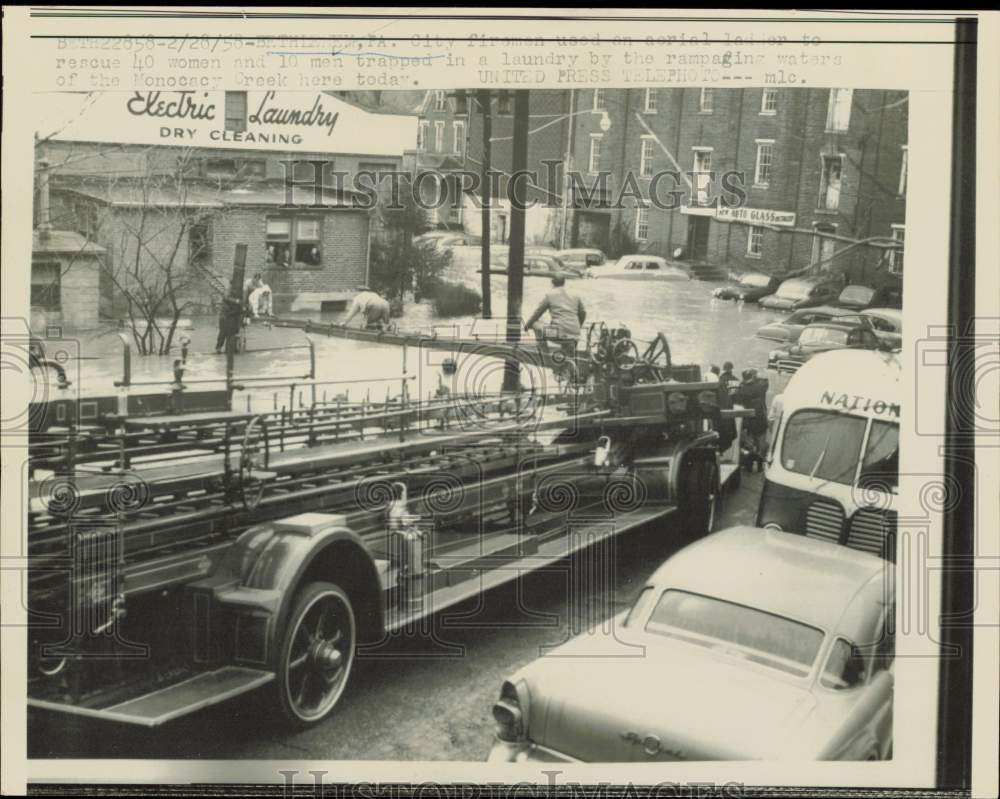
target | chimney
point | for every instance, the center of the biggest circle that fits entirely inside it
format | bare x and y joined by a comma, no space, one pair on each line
44,224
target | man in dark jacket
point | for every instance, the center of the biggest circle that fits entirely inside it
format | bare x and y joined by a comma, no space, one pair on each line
230,321
752,393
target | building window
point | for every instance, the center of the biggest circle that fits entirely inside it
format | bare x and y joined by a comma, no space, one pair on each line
594,164
422,130
439,137
702,175
236,111
646,158
838,113
902,171
458,133
650,107
755,241
765,156
599,99
294,242
895,256
46,286
440,101
235,168
769,101
199,237
705,101
642,223
830,182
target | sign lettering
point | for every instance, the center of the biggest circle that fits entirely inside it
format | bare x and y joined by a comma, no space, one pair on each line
856,402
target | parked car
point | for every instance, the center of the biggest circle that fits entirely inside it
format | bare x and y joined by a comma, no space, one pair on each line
539,266
861,297
642,267
801,292
750,644
789,328
850,331
541,249
433,235
456,240
751,287
581,256
887,322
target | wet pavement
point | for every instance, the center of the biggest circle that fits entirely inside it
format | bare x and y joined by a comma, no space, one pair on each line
700,329
410,703
407,704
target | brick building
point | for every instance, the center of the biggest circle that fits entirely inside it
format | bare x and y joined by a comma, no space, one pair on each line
813,160
219,178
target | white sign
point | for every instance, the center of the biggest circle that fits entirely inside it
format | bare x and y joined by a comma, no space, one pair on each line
283,121
756,216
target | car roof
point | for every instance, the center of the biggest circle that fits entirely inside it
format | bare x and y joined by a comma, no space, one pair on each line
782,573
839,323
886,313
833,310
850,372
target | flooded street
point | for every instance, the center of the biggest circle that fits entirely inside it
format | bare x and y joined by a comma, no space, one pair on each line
701,330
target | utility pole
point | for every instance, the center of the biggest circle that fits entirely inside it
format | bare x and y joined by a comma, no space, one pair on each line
515,261
483,98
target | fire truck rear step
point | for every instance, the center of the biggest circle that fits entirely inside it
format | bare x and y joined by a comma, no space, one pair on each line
180,699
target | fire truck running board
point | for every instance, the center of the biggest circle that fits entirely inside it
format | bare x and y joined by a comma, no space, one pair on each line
165,704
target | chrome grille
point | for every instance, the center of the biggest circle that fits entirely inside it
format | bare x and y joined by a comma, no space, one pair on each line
787,367
869,530
824,520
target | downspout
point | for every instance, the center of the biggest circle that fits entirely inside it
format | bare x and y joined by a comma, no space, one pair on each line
677,150
736,165
798,181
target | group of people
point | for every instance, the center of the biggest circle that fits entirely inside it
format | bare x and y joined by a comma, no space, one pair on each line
257,298
748,391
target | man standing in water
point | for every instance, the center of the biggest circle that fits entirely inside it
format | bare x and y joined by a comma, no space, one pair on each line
566,317
373,306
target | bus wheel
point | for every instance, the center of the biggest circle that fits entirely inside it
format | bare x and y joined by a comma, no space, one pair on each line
316,653
699,496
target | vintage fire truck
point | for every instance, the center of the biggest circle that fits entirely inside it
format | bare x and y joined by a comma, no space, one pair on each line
181,557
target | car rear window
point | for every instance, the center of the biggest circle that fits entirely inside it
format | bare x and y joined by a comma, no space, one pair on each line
824,335
795,290
757,635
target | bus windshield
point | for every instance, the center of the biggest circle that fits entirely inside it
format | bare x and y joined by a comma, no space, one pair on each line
823,445
880,468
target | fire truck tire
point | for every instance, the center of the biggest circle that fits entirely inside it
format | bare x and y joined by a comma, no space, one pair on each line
316,653
699,496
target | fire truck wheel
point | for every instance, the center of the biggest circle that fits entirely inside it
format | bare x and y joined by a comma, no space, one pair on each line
316,653
699,496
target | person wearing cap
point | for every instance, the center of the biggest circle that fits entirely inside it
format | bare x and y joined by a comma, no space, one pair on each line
373,306
566,316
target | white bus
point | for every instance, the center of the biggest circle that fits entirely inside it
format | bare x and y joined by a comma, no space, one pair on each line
833,466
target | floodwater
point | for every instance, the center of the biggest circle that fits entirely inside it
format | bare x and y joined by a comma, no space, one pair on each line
700,330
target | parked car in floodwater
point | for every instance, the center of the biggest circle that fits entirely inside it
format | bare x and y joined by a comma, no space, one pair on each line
787,330
859,297
851,331
801,292
751,287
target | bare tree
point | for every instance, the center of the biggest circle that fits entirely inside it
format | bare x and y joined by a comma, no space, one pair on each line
153,229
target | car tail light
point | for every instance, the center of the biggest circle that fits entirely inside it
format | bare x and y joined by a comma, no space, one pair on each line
507,714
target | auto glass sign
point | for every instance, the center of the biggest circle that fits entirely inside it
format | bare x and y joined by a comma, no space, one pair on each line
756,216
861,404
